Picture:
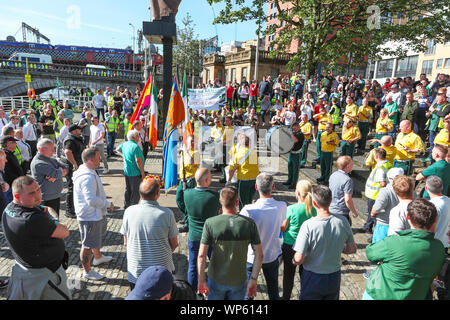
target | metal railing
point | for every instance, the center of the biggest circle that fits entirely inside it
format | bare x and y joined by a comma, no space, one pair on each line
67,70
20,102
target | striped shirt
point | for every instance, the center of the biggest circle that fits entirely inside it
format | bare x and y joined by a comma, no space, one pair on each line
148,228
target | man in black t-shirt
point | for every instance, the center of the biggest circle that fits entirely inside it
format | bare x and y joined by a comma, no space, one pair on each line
294,156
36,242
73,147
46,122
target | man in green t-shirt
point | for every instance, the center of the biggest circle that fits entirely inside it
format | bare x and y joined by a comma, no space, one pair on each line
201,204
407,262
392,108
229,234
440,168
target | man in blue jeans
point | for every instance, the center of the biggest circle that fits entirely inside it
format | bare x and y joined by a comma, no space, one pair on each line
200,204
320,242
112,125
231,234
268,215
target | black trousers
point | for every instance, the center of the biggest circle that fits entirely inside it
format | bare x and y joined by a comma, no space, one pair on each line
33,147
54,204
70,208
289,271
132,195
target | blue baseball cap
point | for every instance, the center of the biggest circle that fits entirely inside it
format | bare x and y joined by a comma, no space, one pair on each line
153,284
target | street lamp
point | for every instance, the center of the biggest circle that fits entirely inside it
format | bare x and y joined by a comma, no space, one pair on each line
134,32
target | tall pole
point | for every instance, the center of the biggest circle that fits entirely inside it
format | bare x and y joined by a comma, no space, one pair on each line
134,37
257,44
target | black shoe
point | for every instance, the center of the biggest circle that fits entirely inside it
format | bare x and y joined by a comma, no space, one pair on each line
223,180
369,240
319,180
183,229
301,167
4,283
182,222
72,216
292,187
287,183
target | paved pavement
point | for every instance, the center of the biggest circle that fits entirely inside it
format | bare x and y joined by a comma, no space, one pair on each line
115,285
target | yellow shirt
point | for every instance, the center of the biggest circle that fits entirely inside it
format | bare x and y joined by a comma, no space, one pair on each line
352,110
306,128
228,135
364,113
391,151
387,122
191,164
323,120
411,141
217,133
442,137
350,133
247,169
329,137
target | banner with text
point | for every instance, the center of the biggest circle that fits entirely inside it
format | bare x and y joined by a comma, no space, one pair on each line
209,99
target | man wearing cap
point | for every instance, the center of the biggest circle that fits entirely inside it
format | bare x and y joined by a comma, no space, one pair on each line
155,283
150,233
13,169
73,147
408,144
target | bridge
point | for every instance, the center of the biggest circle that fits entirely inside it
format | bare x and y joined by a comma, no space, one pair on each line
45,77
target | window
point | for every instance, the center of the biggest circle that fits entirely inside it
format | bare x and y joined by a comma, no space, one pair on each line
385,68
431,47
439,63
447,63
406,67
208,73
244,73
233,74
427,66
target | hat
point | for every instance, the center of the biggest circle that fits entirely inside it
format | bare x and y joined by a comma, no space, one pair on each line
74,127
153,284
393,172
394,86
5,139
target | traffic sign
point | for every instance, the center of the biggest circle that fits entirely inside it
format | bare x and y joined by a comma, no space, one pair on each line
58,84
28,78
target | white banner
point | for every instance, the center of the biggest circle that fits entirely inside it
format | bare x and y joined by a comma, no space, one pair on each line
208,99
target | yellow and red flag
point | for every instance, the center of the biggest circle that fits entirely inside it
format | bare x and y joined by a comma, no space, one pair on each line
144,101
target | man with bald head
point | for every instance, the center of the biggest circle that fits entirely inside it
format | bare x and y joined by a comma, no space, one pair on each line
407,144
201,203
387,145
150,232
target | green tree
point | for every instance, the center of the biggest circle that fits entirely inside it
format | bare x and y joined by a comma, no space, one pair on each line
333,30
186,53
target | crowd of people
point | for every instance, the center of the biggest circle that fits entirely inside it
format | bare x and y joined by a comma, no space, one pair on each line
239,236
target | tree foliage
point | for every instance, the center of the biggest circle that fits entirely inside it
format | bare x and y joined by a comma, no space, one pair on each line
186,53
330,30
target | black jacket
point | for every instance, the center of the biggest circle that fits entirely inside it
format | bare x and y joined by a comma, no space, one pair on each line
12,168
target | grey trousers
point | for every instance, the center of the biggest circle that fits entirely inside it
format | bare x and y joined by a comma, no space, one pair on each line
101,149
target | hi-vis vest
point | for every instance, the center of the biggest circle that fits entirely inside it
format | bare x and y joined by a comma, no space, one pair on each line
110,101
441,119
52,102
335,115
113,124
60,125
373,187
18,155
126,127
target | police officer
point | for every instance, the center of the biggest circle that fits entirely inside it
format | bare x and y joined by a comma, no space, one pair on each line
73,147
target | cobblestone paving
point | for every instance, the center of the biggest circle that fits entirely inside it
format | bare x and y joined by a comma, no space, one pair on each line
115,285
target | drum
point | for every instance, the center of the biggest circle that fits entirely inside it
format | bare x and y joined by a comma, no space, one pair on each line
279,140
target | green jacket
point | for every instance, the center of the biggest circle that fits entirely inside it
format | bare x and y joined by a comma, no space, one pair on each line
410,262
410,112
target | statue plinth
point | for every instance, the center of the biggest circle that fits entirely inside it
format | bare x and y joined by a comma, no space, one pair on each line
157,30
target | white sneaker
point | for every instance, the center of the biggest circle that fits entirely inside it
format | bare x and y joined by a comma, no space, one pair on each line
103,259
105,171
93,275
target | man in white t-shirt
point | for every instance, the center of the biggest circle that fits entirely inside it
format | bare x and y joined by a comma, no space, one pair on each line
268,215
97,141
434,188
404,189
290,116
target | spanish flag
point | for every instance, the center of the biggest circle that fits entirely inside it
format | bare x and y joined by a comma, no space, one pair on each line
144,101
153,114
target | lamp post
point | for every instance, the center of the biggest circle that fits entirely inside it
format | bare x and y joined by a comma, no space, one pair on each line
134,32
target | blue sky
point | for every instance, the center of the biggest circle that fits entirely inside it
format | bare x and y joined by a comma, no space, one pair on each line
104,23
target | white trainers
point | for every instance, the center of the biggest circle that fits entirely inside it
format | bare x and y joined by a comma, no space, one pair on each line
93,275
103,259
105,171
